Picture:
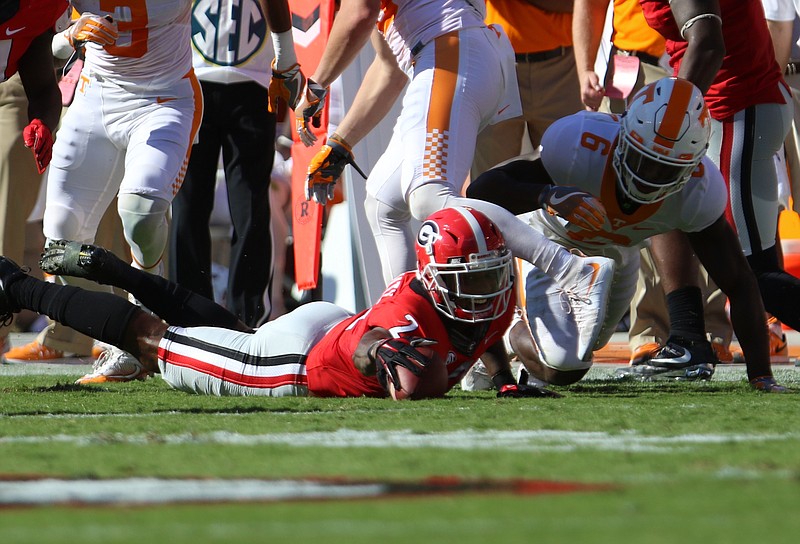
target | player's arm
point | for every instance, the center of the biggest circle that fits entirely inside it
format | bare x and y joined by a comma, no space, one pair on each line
278,15
781,33
361,358
380,88
718,249
382,84
37,73
350,31
523,186
495,359
587,30
700,23
516,186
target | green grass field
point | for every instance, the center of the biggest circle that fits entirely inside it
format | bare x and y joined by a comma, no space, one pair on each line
702,462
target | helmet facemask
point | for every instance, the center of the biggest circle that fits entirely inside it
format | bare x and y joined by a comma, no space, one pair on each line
646,177
473,290
662,139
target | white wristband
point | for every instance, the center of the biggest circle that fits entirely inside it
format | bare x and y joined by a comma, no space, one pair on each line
285,57
61,46
696,18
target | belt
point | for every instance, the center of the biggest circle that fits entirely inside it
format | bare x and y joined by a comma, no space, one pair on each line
792,68
539,56
644,57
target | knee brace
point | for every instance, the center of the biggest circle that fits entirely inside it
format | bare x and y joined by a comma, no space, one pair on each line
144,222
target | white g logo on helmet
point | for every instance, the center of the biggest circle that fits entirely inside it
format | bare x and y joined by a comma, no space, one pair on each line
428,235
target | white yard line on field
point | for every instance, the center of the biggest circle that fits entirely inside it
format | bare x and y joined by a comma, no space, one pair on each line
542,440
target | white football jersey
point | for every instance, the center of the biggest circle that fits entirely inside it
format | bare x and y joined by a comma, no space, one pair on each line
230,41
408,25
153,49
577,150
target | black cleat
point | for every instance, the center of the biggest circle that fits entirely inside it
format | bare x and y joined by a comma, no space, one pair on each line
65,258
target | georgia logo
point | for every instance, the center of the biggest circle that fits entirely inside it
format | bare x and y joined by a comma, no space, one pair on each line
428,235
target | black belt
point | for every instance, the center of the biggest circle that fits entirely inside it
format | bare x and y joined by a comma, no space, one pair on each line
539,56
644,57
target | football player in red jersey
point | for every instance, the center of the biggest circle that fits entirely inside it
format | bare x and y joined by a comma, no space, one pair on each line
457,303
26,31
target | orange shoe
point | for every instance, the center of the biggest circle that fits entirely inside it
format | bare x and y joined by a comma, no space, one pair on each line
723,352
778,348
644,353
33,352
98,349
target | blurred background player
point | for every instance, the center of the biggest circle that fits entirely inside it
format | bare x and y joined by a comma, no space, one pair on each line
56,341
129,129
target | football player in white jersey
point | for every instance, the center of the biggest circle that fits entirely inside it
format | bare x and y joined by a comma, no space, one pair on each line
648,171
462,77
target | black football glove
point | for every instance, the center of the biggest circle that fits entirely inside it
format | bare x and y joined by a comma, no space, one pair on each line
520,391
389,353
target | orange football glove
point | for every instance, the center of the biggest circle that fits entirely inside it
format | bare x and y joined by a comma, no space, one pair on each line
309,111
326,168
578,207
286,85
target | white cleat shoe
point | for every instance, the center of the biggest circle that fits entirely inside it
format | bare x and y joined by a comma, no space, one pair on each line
587,290
115,365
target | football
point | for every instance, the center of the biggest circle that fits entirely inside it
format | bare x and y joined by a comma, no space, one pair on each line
432,383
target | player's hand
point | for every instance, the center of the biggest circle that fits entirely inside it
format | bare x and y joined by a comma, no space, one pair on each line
326,168
286,85
390,353
521,391
578,207
592,91
308,111
767,384
92,28
39,138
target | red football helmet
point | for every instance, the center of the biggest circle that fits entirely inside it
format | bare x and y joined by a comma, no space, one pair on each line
464,264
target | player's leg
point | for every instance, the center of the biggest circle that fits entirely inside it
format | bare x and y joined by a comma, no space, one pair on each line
159,141
270,362
170,301
190,239
746,143
248,154
112,320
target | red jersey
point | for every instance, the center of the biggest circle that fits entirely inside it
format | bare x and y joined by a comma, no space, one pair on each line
405,309
34,18
749,73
